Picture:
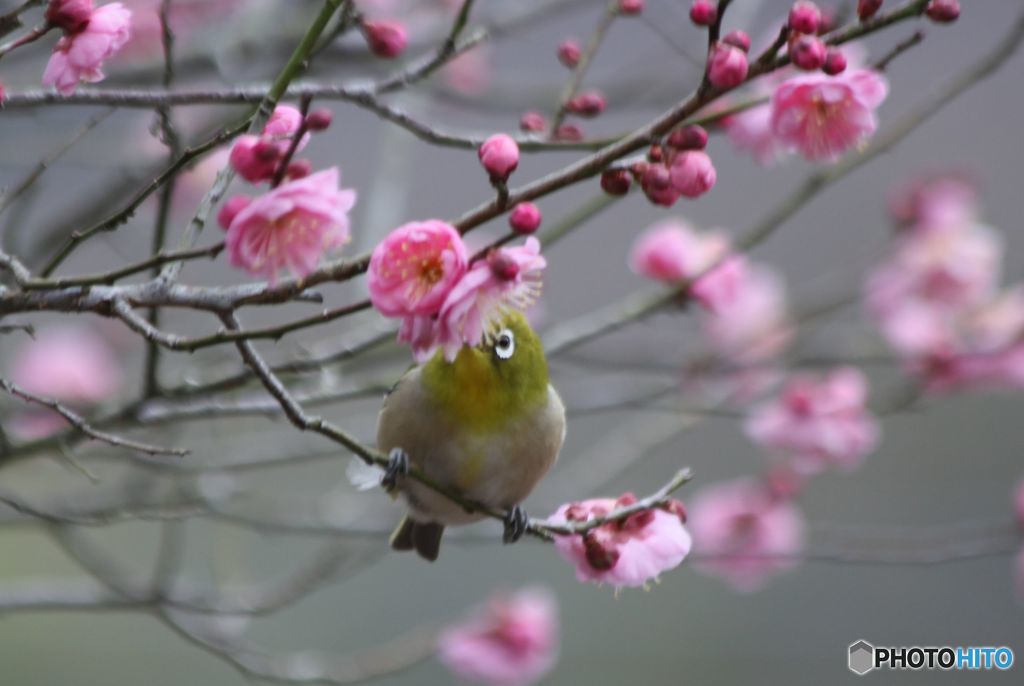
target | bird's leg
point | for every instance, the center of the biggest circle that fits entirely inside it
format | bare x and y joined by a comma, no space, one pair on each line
516,521
398,465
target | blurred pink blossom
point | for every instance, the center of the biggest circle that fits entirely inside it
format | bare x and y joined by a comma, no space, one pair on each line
751,131
820,421
291,226
471,72
982,347
512,641
631,552
79,56
947,199
671,251
753,326
824,116
931,275
186,17
73,365
744,533
415,267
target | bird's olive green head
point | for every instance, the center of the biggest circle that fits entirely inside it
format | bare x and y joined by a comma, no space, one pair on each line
500,381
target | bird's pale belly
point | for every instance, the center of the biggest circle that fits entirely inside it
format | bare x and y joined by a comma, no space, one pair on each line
497,469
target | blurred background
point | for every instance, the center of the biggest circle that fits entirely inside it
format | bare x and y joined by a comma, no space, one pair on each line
946,467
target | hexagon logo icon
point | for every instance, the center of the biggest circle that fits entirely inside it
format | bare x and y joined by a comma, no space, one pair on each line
861,658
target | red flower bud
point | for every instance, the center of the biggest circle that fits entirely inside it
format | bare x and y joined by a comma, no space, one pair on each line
69,15
631,6
804,17
655,153
532,121
738,38
727,66
692,137
835,62
808,53
385,39
569,132
499,155
943,11
299,169
318,120
569,53
656,177
525,218
616,182
703,12
867,8
587,104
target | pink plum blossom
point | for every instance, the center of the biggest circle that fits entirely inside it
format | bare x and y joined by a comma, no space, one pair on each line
291,226
73,365
672,252
630,552
473,302
512,641
744,534
387,39
819,421
79,56
823,116
415,267
507,278
754,326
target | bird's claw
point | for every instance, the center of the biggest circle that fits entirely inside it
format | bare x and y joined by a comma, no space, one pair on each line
516,521
398,465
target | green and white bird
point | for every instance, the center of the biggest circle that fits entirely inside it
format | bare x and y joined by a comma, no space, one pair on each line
488,425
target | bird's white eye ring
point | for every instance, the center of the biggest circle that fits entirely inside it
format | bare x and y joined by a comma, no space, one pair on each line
505,344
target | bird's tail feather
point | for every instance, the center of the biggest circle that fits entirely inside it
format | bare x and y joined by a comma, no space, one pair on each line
423,537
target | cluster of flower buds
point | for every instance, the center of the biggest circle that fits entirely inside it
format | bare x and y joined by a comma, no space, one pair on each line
267,157
806,48
386,39
679,167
